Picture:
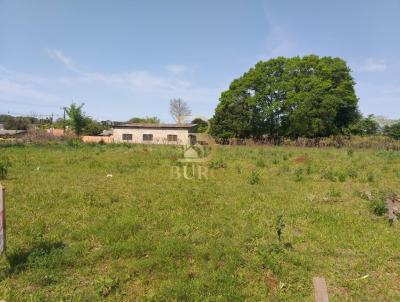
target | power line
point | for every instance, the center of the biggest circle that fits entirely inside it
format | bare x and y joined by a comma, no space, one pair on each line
32,114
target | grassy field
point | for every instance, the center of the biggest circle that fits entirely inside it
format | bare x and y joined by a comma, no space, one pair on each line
75,234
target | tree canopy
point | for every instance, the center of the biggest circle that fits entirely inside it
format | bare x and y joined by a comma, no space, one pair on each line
366,126
288,97
77,118
145,120
202,125
392,131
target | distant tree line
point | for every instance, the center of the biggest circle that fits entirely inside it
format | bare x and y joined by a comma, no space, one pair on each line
22,122
295,97
145,120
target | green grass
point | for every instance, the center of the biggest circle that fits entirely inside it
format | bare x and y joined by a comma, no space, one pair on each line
75,234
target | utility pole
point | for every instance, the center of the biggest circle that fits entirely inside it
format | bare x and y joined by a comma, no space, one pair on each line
51,124
64,108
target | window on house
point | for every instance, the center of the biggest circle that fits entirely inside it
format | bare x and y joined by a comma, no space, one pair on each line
172,138
126,137
147,137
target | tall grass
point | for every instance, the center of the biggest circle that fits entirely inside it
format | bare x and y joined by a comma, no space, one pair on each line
77,234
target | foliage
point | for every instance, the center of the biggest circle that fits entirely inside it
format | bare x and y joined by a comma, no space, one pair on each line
378,207
217,164
366,126
179,109
24,122
77,118
254,178
392,131
202,125
19,122
92,127
288,97
5,163
145,120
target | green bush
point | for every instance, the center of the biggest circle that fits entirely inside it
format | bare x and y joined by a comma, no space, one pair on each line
378,207
4,165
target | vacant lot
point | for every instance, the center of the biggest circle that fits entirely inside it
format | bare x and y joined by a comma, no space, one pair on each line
140,234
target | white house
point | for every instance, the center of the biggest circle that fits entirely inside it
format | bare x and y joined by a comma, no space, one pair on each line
175,134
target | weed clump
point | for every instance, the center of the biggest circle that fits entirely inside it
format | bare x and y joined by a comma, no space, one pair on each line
378,207
5,163
254,178
260,163
105,286
217,164
298,174
350,152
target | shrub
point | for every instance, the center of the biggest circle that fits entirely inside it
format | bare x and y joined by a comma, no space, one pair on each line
74,142
393,131
378,207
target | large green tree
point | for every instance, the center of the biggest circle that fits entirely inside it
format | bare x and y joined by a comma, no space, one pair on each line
288,97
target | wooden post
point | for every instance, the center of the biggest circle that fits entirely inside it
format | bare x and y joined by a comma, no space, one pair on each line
320,290
2,220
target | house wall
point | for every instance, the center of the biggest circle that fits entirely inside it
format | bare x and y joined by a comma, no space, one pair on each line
96,139
159,135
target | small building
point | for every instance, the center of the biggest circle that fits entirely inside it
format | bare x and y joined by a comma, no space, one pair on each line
174,134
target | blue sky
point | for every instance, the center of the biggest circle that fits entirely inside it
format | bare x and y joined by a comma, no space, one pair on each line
129,58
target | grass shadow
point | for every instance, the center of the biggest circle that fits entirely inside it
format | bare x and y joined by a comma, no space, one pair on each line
19,259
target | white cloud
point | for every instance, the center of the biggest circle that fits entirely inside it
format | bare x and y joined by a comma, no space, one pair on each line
372,65
63,59
176,69
14,92
107,95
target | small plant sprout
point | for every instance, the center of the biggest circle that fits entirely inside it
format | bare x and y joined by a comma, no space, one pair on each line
279,226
